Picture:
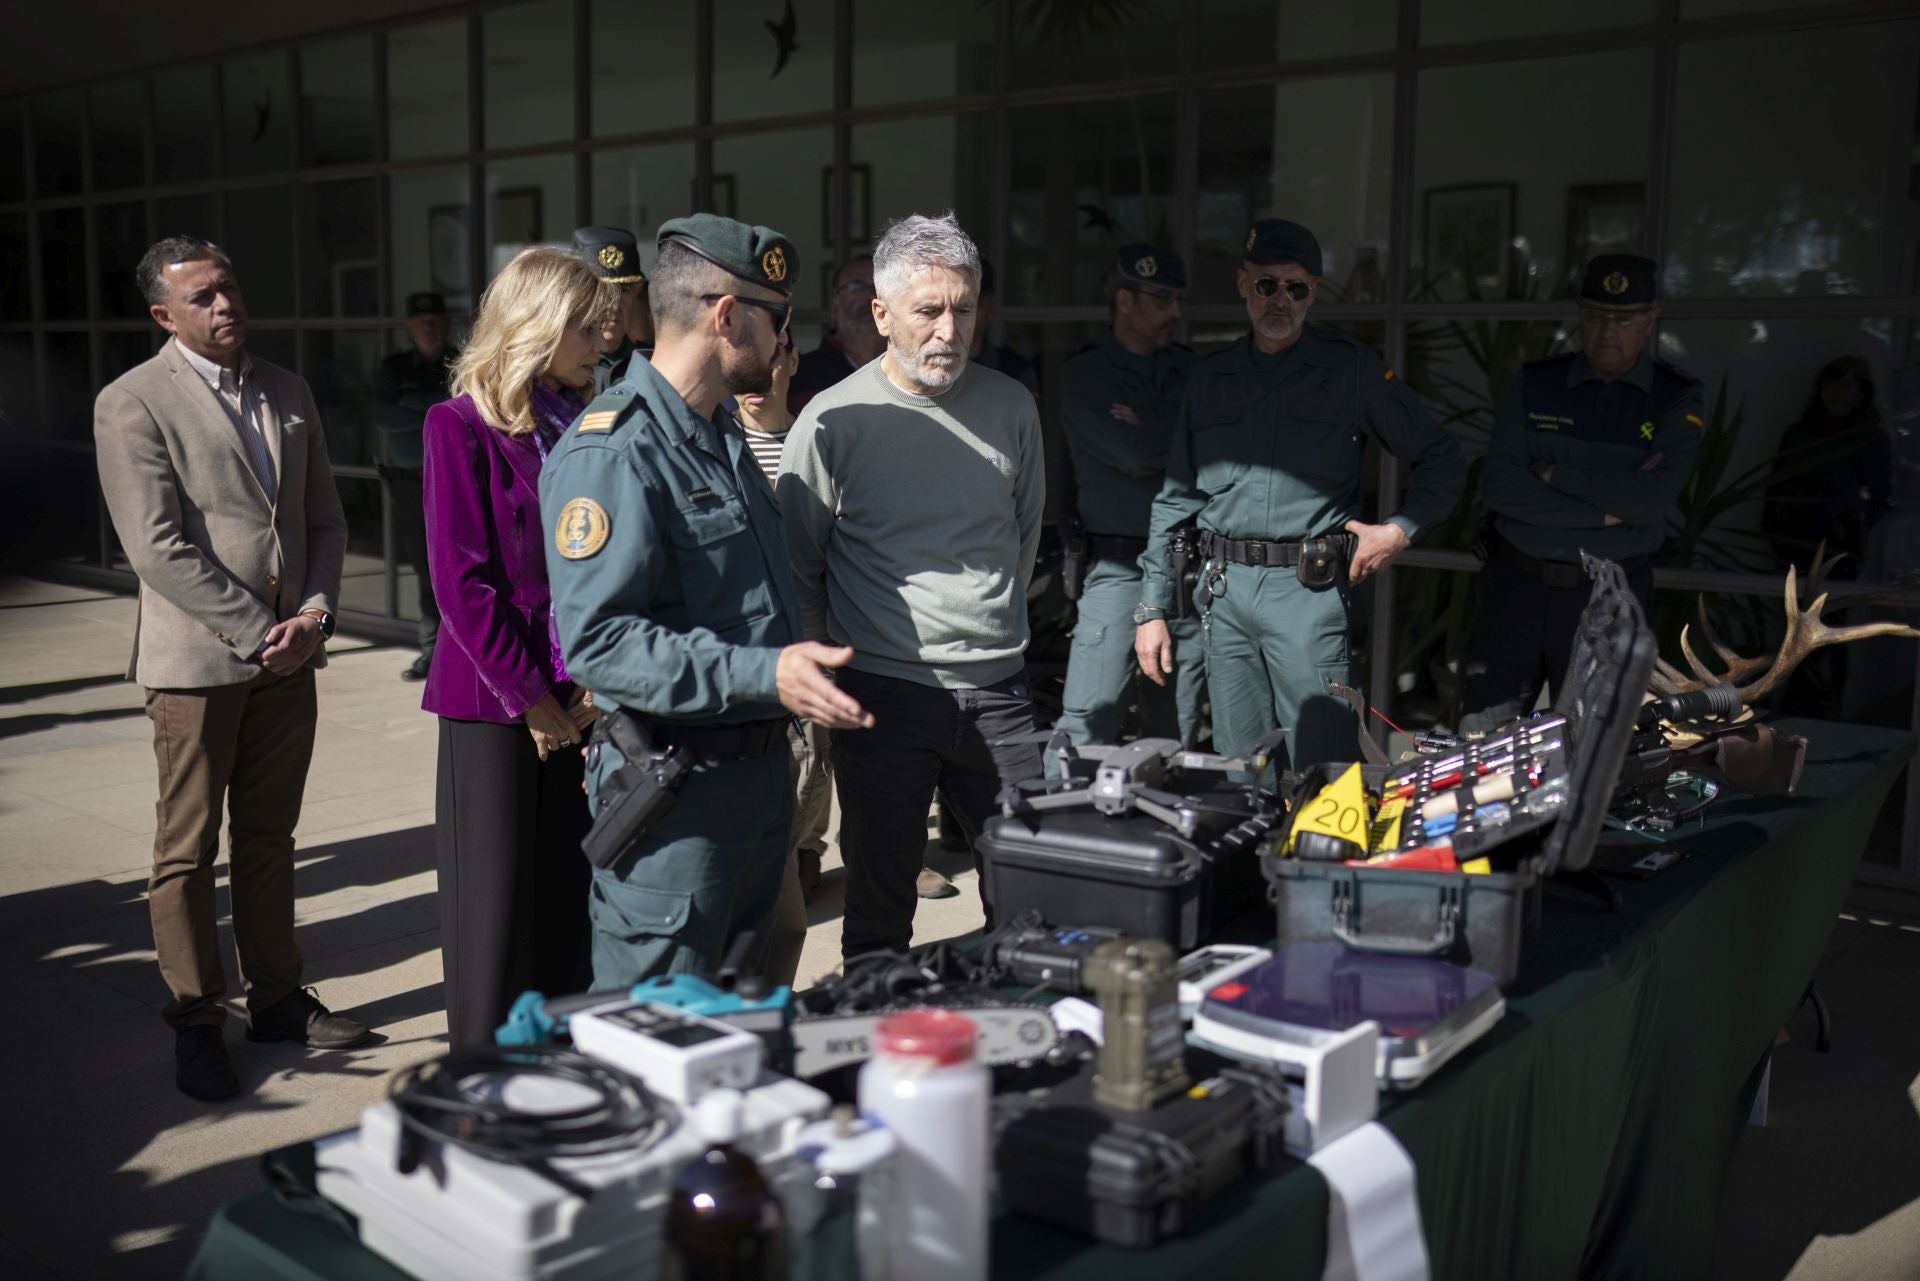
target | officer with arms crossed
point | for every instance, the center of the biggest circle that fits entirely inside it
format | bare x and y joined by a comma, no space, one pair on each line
1589,452
673,604
1267,456
614,255
1119,400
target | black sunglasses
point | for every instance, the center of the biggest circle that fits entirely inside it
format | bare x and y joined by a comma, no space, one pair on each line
1268,286
784,310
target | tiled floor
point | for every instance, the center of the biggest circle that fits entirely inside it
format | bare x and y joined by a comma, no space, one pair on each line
109,1173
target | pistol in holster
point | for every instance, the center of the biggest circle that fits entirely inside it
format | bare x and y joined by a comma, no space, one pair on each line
1323,561
638,794
1074,555
1184,562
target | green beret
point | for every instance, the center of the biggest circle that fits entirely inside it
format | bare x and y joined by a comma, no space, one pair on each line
760,255
1620,282
1150,267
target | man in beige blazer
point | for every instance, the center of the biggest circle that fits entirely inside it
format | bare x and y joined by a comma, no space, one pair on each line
215,472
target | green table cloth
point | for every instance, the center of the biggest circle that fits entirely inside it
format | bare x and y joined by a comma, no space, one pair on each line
1586,1136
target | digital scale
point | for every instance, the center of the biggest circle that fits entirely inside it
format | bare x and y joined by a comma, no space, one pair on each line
1208,967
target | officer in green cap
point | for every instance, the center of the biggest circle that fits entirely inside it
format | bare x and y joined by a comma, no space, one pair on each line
1119,401
1266,459
615,255
1589,452
672,602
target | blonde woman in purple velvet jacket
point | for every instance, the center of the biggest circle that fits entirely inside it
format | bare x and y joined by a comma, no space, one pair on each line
509,809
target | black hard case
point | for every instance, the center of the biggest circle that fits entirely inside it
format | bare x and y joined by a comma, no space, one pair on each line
1135,1178
1479,920
1127,872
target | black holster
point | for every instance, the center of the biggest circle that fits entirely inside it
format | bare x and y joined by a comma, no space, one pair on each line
1074,556
635,796
1323,561
1184,562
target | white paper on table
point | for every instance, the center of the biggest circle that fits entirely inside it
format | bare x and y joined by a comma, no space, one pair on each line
1072,1014
1373,1216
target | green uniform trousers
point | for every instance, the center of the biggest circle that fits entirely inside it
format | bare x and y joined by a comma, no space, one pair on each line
709,870
1101,669
1272,648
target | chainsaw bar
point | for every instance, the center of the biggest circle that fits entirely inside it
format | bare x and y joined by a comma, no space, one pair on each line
1009,1032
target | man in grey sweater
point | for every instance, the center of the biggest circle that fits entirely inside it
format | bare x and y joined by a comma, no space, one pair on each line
912,495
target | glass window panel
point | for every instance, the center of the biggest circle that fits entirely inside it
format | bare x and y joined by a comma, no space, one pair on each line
427,90
1433,612
339,367
1099,41
363,575
184,134
1243,33
429,239
529,202
19,409
660,97
906,52
14,302
774,179
641,187
121,350
1764,201
121,238
69,522
56,144
259,113
1087,178
760,72
259,232
13,151
1494,186
63,264
339,249
336,101
1456,21
195,215
1335,179
69,390
529,72
276,345
117,116
928,165
1717,8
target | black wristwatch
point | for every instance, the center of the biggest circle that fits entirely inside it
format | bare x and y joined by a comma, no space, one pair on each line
322,617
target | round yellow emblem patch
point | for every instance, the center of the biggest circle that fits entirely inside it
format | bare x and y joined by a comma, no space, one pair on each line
1615,283
582,529
1145,267
774,263
611,257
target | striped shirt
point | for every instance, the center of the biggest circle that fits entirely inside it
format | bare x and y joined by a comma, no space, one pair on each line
766,449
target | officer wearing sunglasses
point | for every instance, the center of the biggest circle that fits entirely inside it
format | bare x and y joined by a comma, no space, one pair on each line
1266,462
1589,452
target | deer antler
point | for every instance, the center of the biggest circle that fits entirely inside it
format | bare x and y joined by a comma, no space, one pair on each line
1805,633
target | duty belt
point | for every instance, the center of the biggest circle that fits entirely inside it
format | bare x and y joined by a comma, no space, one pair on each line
1557,573
748,740
1249,551
1114,547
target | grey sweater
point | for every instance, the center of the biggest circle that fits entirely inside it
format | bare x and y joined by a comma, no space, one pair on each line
912,523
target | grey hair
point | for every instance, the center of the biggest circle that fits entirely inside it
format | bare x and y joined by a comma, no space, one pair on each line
680,277
151,274
919,241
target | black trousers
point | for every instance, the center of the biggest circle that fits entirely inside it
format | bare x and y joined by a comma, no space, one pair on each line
1523,635
924,739
513,882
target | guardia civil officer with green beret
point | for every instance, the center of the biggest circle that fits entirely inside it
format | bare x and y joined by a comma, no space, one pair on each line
1119,401
1266,460
1589,452
673,604
614,255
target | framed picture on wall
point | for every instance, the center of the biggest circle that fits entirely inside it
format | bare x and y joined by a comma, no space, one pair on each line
1604,218
1470,236
859,204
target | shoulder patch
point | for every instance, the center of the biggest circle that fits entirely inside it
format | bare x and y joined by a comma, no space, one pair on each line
1389,374
1696,420
598,420
582,529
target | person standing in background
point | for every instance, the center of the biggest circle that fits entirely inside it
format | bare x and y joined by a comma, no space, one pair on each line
851,343
613,254
991,355
215,473
408,384
509,809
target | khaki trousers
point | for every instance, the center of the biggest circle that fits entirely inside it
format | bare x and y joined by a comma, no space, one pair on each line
246,747
812,806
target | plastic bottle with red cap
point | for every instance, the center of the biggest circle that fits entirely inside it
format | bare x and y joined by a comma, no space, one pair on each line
924,1084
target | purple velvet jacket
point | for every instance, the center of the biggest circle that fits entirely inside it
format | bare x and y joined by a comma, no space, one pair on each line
486,547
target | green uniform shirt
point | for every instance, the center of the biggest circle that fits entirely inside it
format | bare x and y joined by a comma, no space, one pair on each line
1272,447
1117,466
1622,448
667,559
405,387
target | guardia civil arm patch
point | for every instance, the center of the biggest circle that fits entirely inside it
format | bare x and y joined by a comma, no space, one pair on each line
582,529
